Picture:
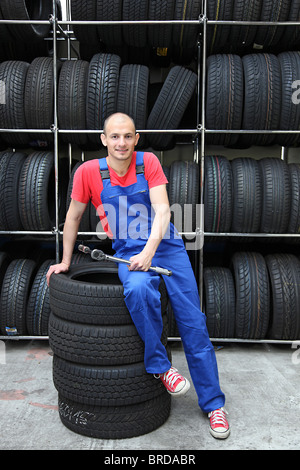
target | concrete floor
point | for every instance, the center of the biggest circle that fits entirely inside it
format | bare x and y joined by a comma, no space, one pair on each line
261,383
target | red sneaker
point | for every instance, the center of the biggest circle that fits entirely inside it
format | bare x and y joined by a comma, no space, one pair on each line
219,426
175,383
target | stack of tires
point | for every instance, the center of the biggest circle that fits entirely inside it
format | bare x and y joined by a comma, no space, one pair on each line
98,369
256,297
246,195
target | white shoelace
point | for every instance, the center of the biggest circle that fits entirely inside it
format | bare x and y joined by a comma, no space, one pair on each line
218,417
171,376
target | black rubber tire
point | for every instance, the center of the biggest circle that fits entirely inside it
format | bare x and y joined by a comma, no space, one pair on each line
219,301
271,10
105,385
184,192
242,36
39,96
92,294
115,422
95,344
170,105
10,169
133,96
185,35
294,219
276,195
24,10
247,195
160,35
224,97
135,10
71,100
252,295
14,296
290,111
110,35
38,307
37,191
262,101
12,115
102,92
217,35
284,271
217,194
85,11
84,225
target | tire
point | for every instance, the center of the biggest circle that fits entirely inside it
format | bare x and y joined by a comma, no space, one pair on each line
111,35
276,195
38,307
270,36
12,115
115,422
23,10
95,344
105,385
135,10
247,195
36,191
170,105
84,225
160,35
10,169
262,101
102,91
242,37
14,296
39,92
252,295
290,112
184,192
185,36
284,271
85,11
72,89
224,97
87,293
217,35
294,219
133,96
217,194
219,302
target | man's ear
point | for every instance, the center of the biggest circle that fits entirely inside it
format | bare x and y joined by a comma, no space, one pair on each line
103,139
137,136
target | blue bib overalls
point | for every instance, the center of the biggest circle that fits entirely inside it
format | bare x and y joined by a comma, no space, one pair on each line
129,216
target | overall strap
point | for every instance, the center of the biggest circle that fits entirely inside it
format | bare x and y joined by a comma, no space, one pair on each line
104,171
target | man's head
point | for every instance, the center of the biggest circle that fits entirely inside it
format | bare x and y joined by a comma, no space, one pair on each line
119,136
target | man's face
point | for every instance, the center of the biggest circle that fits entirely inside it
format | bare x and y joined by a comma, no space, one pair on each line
120,138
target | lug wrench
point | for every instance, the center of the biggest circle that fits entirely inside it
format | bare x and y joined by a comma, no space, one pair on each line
99,256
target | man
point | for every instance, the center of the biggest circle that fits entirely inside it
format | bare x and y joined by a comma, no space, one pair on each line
122,185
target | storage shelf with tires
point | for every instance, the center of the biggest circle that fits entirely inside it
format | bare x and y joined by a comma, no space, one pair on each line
209,119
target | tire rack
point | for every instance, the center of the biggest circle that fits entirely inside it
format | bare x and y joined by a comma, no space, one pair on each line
199,131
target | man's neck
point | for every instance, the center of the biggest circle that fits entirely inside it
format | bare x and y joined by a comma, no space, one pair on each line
119,166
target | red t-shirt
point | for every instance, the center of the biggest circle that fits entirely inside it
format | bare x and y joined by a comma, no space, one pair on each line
87,181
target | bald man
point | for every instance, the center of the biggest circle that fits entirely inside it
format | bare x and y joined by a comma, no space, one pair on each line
128,189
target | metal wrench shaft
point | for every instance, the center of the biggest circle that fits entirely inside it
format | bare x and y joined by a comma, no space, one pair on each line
99,255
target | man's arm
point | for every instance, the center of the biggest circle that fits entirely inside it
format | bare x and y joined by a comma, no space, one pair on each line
160,203
73,218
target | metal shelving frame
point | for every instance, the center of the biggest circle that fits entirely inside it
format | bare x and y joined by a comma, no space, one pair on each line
198,132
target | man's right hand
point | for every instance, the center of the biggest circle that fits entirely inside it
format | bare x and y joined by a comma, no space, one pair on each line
56,268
